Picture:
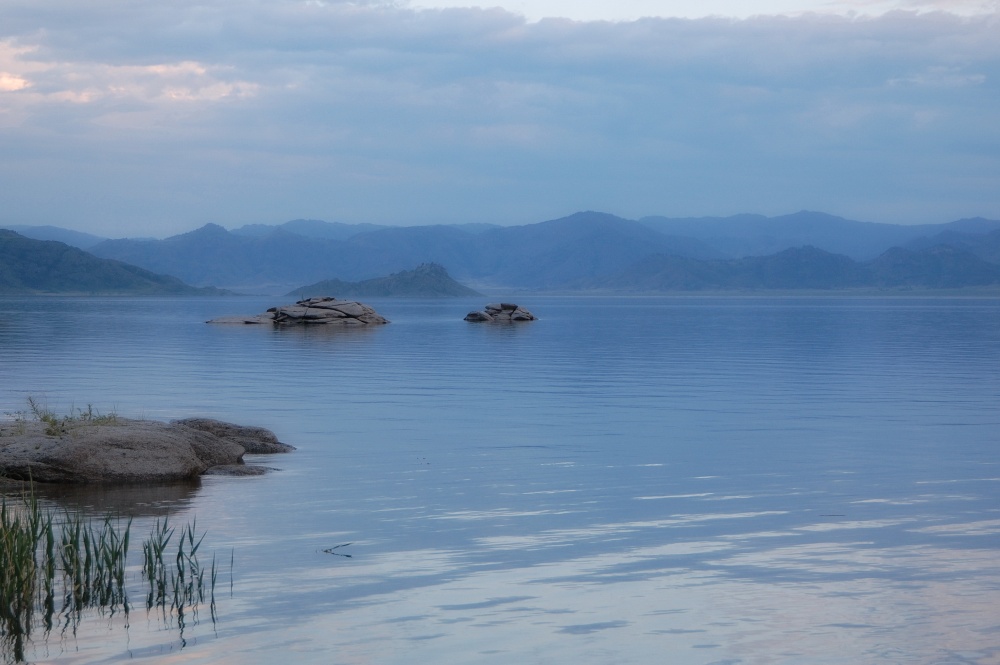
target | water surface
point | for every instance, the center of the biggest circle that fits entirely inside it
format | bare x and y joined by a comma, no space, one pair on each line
627,480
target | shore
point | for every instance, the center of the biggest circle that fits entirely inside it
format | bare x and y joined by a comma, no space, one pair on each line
115,450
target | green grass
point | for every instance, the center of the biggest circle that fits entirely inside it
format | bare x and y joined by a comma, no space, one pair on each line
50,558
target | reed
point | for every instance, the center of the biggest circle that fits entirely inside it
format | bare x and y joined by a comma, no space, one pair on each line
84,561
22,528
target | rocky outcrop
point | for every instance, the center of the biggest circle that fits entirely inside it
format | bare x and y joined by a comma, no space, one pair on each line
121,450
502,313
254,440
314,311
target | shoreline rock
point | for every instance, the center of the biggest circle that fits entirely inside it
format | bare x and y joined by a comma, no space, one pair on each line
500,313
255,440
313,311
125,451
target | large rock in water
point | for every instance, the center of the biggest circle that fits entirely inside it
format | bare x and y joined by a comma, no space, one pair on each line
129,451
503,312
314,311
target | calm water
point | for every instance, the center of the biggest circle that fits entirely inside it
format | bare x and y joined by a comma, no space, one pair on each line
683,480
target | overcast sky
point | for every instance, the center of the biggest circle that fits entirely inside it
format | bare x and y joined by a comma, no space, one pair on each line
153,118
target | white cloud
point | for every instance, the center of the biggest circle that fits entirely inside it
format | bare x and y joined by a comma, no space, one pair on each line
11,82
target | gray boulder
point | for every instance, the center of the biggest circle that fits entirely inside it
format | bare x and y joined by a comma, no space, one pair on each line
500,313
254,440
313,311
124,451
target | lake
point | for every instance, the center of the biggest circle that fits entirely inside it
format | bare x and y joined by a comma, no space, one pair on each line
626,480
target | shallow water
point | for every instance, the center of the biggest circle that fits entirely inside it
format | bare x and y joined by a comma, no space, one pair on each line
695,480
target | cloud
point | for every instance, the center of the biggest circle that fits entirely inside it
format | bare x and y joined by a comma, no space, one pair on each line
171,115
940,77
10,82
630,10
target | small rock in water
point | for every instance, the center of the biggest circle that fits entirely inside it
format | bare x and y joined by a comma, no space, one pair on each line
501,313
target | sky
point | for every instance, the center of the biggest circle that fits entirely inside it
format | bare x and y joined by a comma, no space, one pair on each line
133,119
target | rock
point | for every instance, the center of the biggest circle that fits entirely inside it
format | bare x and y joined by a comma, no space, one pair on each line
255,440
213,450
128,451
501,313
313,311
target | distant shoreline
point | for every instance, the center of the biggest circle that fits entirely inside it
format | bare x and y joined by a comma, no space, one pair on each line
969,292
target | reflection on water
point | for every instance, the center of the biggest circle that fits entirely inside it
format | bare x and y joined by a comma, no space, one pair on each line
62,571
647,605
140,500
693,480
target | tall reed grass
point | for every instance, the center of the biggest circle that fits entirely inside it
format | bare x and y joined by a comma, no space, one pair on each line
45,555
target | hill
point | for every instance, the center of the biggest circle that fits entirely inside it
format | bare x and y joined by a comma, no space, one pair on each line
756,235
560,254
72,238
937,267
29,266
545,255
211,255
428,280
552,254
984,245
308,228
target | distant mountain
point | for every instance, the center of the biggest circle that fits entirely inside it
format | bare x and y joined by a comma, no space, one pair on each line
428,280
71,238
29,266
973,225
560,254
939,267
546,255
308,228
984,245
315,228
392,249
806,268
476,227
756,235
213,255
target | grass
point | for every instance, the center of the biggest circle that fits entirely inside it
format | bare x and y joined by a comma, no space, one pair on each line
56,425
83,562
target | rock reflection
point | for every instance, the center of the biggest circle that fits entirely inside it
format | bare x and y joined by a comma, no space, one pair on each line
129,500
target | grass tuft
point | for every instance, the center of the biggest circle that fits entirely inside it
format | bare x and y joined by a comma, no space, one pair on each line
56,425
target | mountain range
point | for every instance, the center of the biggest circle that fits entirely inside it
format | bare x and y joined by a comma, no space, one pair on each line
936,267
29,266
586,250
